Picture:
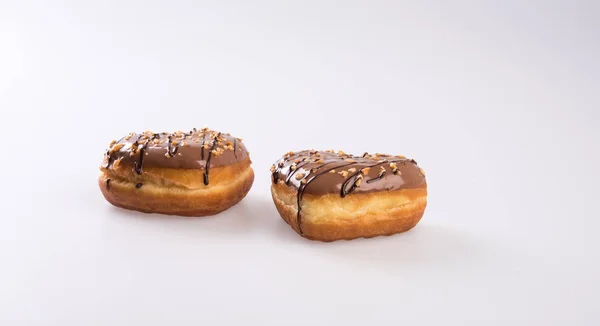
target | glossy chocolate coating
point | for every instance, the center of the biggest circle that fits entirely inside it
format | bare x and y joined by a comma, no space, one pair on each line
327,172
197,149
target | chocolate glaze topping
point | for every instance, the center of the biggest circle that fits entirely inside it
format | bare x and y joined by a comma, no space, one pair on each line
327,172
197,149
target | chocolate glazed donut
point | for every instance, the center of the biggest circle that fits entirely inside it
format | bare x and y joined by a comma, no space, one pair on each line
201,172
330,196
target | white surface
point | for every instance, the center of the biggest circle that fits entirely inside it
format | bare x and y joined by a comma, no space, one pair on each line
499,103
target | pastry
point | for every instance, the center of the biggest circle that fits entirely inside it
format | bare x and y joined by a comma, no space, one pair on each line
196,173
327,196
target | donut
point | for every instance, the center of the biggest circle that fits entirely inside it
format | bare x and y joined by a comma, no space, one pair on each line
328,196
197,173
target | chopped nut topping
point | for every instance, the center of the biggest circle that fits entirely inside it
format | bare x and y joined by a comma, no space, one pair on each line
299,176
393,165
217,151
115,148
273,168
381,172
344,173
365,170
293,167
352,170
167,155
357,182
350,160
112,143
117,163
332,171
303,181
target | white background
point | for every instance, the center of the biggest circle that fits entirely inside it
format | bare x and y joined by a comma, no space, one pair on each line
498,102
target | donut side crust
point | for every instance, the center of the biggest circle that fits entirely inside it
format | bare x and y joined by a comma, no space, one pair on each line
329,217
177,191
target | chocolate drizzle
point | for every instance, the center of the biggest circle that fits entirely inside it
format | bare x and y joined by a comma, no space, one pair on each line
321,173
275,171
292,172
234,147
137,165
138,186
170,150
202,146
212,148
344,190
377,178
